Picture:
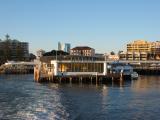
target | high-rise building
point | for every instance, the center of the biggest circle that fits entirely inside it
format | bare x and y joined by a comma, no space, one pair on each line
64,47
13,50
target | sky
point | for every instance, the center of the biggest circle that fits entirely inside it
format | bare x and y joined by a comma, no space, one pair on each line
105,25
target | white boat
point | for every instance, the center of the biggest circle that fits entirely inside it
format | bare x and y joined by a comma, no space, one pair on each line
122,68
134,75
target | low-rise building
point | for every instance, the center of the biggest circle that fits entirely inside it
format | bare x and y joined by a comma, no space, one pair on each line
82,51
133,56
113,57
40,53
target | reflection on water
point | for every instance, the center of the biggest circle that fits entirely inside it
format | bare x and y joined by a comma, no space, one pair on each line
147,82
22,98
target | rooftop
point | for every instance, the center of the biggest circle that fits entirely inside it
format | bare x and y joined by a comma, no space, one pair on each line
82,48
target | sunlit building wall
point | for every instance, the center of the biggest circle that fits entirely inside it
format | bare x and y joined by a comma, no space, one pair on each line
139,46
82,51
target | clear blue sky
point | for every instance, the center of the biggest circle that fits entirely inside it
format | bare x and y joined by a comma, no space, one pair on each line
105,25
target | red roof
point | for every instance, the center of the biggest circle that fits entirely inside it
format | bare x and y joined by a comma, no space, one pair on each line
81,48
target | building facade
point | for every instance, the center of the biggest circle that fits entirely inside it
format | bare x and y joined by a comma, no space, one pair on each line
133,56
141,50
113,57
156,47
64,47
82,51
13,50
139,46
40,53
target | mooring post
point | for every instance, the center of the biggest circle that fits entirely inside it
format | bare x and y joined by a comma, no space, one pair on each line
60,80
70,80
100,80
96,78
121,76
91,79
36,74
81,80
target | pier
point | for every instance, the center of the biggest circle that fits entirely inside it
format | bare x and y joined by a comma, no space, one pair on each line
74,69
12,67
86,69
90,79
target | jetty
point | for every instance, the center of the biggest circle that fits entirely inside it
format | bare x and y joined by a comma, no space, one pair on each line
13,67
79,69
84,69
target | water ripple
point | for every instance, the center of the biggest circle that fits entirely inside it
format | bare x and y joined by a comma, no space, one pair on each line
23,99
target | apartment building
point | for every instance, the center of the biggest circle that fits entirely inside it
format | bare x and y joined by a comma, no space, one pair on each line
156,47
139,46
141,50
13,50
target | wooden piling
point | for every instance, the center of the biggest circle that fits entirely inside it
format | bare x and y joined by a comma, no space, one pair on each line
36,74
70,80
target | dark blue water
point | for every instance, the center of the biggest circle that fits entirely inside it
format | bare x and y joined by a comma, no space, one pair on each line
22,98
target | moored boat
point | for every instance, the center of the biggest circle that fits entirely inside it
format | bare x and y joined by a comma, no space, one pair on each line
134,75
121,68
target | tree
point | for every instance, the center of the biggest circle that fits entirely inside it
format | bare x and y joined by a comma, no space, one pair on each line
32,56
19,53
7,50
7,37
54,53
119,52
112,53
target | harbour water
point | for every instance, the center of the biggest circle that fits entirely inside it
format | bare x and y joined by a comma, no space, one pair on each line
23,99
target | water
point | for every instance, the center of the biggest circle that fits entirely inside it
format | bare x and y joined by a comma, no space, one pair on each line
23,99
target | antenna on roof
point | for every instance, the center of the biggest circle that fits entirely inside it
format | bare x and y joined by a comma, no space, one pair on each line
7,37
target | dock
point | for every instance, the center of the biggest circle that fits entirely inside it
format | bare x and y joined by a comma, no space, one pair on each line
80,69
13,67
89,79
75,71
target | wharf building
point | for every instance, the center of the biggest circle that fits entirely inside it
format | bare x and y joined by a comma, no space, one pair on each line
13,50
82,51
72,65
64,47
141,50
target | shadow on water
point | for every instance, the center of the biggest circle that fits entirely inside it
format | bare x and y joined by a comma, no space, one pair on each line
108,84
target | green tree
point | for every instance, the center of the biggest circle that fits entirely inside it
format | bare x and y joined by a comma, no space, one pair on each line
119,52
7,50
32,56
19,53
112,53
